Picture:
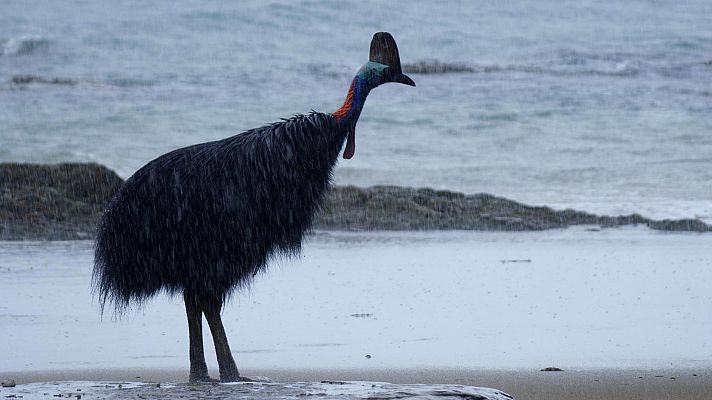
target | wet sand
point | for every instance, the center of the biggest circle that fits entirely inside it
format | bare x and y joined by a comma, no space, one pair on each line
623,312
629,384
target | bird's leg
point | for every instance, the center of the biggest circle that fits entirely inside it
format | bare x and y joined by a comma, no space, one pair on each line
228,368
198,368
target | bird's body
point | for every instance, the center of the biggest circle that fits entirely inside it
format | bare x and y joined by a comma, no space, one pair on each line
258,190
204,219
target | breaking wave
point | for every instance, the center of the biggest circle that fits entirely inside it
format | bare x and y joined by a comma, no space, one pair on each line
435,67
329,70
563,63
127,82
21,80
23,45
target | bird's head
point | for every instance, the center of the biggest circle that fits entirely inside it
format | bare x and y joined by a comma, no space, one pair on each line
374,74
383,66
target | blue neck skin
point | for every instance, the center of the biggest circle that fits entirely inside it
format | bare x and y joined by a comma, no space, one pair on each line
367,78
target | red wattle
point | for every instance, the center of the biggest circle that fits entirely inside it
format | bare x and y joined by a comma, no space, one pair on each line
350,144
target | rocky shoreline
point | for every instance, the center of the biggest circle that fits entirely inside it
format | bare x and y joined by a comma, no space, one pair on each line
53,202
64,202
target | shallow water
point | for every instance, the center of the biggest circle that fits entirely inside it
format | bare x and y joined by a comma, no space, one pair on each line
602,107
271,391
623,298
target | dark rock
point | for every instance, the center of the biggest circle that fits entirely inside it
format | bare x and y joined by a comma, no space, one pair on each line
680,225
551,369
402,208
8,383
63,202
436,67
53,202
27,79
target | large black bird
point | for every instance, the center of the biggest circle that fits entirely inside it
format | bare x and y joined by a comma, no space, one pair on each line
203,220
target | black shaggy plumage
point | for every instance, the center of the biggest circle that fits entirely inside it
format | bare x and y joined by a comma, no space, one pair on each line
258,190
204,219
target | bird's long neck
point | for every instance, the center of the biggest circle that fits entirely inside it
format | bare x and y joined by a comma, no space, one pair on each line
349,112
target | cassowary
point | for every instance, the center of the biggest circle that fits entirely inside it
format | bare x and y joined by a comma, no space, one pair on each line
203,220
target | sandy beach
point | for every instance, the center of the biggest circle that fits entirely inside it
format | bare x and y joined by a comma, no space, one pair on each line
622,311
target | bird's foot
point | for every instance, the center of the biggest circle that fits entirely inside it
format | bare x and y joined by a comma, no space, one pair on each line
201,378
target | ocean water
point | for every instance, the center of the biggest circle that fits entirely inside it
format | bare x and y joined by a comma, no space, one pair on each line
601,106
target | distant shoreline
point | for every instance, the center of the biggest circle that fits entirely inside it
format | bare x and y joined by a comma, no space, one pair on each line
65,201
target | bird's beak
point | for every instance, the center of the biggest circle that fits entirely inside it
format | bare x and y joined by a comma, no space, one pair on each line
404,79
